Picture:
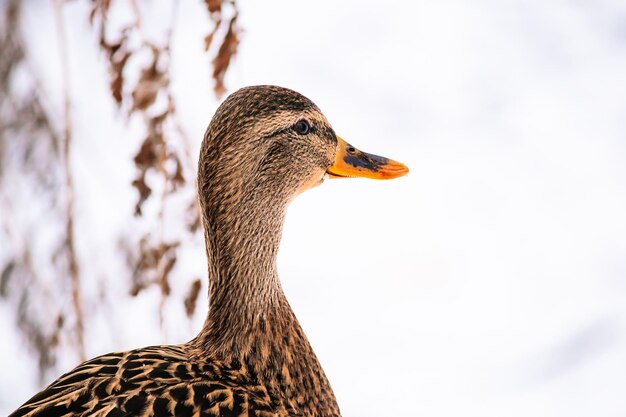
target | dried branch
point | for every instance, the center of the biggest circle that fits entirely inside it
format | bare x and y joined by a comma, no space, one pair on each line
70,251
166,154
29,154
36,148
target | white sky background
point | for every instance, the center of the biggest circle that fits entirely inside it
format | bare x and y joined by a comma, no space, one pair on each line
491,281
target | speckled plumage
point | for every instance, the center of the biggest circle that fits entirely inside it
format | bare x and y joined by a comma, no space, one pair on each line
251,358
157,381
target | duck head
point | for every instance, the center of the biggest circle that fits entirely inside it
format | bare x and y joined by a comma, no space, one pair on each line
273,141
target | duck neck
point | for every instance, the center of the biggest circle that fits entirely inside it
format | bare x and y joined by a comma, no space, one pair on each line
242,243
250,322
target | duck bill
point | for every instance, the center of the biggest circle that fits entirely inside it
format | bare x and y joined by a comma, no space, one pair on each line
351,163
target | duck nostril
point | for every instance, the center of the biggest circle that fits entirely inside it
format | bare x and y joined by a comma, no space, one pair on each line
351,149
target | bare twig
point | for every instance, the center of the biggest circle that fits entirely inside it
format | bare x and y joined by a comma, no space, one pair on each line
29,176
73,266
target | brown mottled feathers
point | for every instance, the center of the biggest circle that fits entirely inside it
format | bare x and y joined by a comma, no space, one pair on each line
251,357
154,381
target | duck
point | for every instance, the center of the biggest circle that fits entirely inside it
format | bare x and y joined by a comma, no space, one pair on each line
263,147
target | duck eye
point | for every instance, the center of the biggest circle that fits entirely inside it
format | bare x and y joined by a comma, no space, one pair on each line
302,127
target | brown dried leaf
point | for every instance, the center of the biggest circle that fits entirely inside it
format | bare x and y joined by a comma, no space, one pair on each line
145,261
163,277
60,321
209,38
116,84
144,191
192,297
135,290
112,48
117,54
144,94
227,51
214,6
178,179
92,13
117,77
149,84
99,7
153,266
146,156
193,216
55,337
156,123
5,277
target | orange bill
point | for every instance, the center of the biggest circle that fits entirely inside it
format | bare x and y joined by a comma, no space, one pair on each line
351,162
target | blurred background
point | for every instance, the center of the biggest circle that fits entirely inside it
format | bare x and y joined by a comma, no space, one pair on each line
491,281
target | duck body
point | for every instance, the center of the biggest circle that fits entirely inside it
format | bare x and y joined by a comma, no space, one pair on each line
168,381
264,146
